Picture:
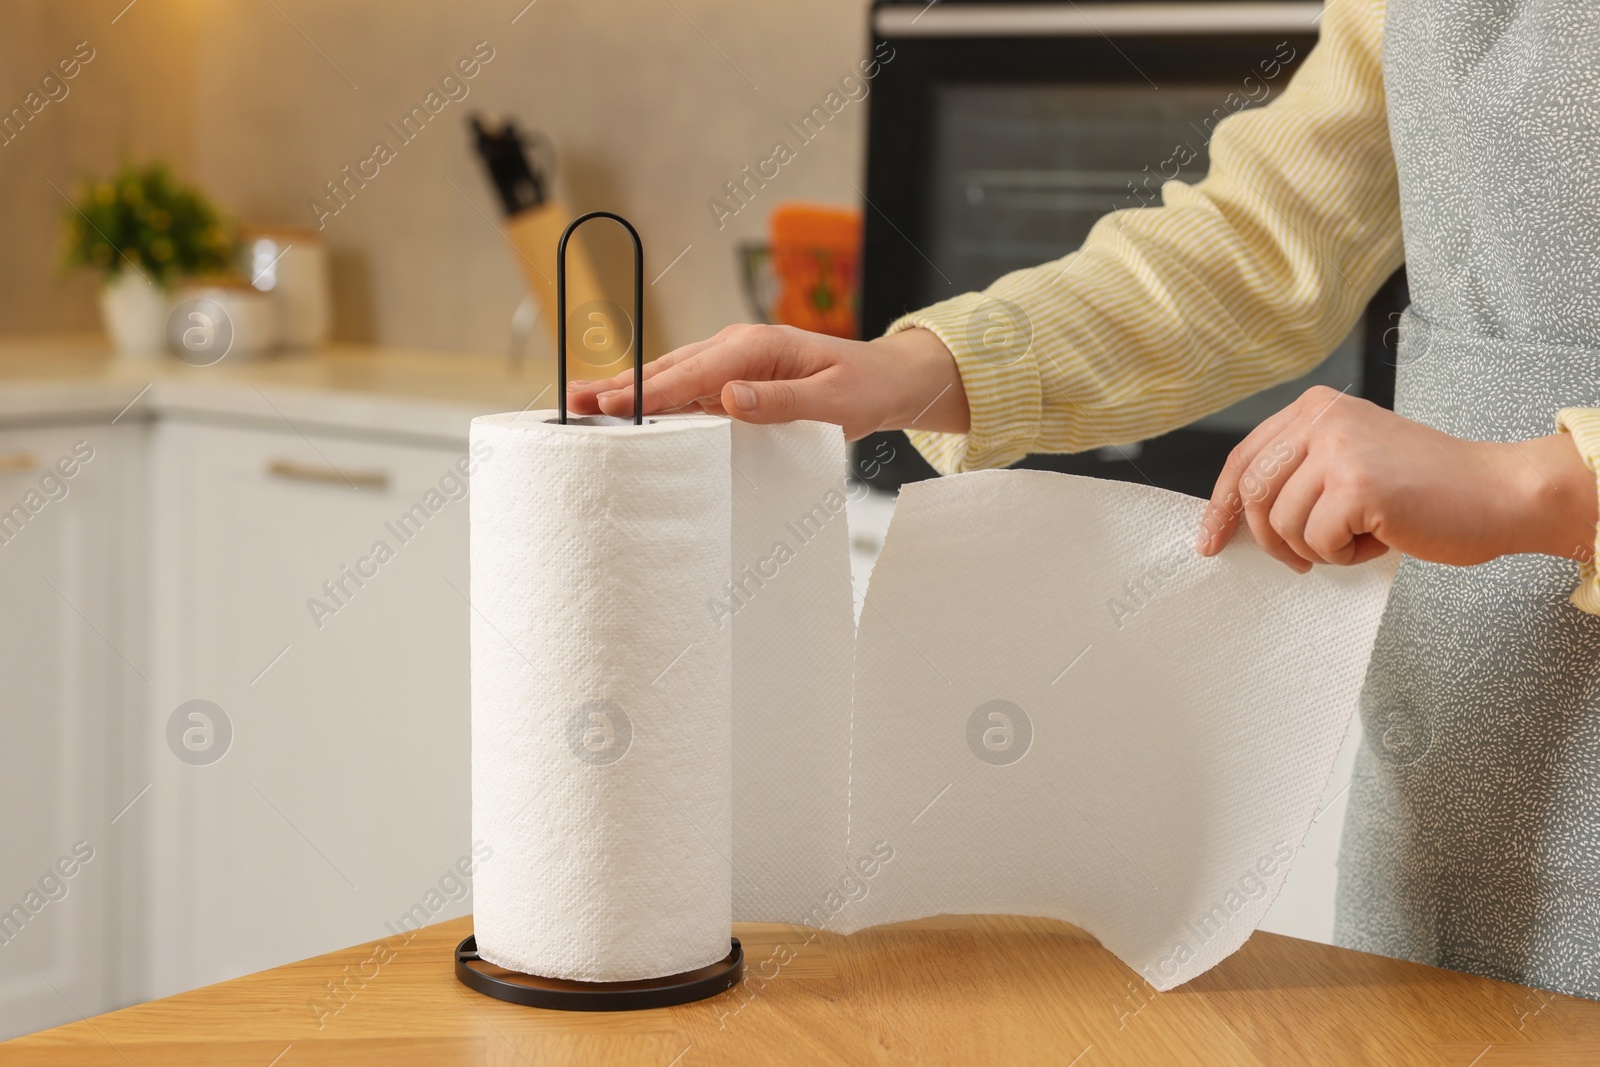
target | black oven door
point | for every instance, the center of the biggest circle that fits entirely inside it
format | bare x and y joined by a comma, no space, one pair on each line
999,134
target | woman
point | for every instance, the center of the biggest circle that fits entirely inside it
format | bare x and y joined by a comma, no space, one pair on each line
1473,833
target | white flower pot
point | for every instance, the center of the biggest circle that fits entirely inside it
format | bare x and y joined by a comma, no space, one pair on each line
135,314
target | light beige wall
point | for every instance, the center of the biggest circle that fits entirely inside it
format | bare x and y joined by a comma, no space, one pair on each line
134,96
648,116
652,104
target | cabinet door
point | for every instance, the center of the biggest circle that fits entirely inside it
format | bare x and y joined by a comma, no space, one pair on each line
73,674
311,591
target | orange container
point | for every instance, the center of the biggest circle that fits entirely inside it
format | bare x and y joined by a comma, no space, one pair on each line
815,253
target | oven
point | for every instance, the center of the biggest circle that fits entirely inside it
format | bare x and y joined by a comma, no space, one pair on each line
999,133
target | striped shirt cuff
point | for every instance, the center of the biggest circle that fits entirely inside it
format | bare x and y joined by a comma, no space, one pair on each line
992,341
1584,426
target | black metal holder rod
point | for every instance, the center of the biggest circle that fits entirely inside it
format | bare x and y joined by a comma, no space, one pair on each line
638,312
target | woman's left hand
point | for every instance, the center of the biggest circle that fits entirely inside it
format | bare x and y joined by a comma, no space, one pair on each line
1336,479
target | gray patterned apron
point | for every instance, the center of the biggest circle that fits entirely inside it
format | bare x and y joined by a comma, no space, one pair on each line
1472,839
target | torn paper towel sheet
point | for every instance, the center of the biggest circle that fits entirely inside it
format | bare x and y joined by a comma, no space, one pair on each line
1062,710
789,607
1059,709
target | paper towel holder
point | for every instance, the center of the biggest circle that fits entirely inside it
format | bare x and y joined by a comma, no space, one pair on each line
638,318
562,995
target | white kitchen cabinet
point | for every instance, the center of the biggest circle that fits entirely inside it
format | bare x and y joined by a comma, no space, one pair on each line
342,799
73,677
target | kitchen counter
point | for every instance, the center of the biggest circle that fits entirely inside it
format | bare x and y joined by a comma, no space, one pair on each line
342,388
952,990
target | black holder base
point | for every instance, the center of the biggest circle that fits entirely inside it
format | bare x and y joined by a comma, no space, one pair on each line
563,995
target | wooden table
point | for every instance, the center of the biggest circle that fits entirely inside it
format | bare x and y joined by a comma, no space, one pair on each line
955,990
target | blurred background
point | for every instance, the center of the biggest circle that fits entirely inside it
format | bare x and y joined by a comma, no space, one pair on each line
653,106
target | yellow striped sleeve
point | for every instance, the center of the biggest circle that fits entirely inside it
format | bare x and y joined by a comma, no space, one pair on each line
1584,426
1170,313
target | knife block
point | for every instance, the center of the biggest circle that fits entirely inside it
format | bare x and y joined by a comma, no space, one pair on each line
534,234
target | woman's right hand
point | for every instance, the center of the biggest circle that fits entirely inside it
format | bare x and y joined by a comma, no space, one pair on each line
781,374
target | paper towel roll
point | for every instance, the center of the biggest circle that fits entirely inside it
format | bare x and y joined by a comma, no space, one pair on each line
601,695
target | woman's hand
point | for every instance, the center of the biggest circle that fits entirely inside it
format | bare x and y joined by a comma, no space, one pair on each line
779,374
1334,479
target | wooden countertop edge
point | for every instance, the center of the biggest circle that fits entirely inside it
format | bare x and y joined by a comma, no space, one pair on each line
949,989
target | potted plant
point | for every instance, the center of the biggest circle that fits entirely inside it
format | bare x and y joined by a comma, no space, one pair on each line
144,232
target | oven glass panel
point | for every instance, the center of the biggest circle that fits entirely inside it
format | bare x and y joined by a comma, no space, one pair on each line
1021,172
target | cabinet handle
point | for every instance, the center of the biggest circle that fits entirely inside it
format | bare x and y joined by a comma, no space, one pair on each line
19,462
307,472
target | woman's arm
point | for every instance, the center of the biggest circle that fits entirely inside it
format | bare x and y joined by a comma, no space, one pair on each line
779,374
1335,479
1165,314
